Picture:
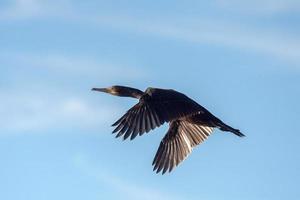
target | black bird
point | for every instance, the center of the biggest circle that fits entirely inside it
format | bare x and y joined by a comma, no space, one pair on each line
189,123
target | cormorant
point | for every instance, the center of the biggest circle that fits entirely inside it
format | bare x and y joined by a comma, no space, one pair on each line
189,123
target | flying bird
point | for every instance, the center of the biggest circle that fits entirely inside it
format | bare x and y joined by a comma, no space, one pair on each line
189,123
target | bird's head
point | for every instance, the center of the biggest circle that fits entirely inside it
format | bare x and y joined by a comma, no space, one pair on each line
113,90
121,91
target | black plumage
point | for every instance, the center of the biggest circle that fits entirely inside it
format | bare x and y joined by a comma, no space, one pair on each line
189,123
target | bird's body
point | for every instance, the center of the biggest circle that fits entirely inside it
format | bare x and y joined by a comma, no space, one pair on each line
189,123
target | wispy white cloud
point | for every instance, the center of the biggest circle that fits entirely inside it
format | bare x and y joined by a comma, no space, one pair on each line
94,68
274,42
31,104
28,9
125,188
271,42
26,113
18,8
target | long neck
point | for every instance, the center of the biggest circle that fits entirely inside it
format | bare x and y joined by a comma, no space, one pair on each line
130,92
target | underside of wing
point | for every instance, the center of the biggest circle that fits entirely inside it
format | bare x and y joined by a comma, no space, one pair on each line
139,119
155,107
178,143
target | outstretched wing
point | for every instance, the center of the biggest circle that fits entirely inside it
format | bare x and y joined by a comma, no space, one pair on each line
178,143
155,107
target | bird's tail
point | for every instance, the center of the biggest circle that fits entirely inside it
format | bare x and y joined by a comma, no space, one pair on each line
225,127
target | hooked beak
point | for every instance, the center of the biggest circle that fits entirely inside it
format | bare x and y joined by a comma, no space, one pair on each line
101,90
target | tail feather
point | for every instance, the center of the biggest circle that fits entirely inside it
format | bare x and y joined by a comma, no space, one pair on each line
225,127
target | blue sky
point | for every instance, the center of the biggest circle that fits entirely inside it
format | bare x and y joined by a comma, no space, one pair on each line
239,60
